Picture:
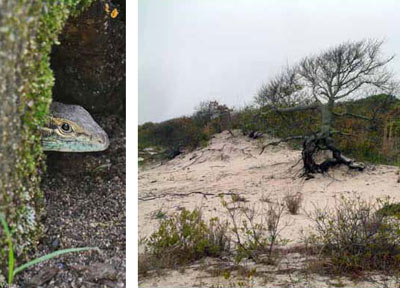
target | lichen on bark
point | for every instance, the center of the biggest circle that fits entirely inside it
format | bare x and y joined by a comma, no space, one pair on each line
28,29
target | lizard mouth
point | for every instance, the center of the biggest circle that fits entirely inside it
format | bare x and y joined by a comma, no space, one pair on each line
100,143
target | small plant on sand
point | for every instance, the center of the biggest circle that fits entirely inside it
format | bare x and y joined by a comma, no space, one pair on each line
266,198
185,237
293,202
159,214
238,198
12,270
255,231
357,235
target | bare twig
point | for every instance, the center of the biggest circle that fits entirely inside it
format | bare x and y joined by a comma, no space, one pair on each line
280,141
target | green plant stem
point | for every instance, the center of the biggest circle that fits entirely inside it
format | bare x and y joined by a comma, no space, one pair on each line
10,249
50,256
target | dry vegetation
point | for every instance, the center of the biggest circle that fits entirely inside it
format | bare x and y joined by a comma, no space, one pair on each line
354,237
213,217
311,103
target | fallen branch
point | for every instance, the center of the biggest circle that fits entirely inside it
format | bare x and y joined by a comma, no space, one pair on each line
175,195
247,153
195,160
149,198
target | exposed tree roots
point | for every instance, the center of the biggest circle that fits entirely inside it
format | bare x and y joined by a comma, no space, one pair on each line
313,144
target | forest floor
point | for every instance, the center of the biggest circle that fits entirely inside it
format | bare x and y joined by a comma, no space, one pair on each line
233,165
84,206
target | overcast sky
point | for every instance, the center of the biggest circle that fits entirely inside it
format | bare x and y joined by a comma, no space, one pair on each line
197,50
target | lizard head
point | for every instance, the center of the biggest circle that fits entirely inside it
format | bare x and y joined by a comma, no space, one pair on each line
70,128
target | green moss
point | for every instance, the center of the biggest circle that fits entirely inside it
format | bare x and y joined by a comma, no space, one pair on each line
32,27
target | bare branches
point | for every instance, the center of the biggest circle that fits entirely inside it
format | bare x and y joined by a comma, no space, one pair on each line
319,82
352,115
339,72
352,66
284,90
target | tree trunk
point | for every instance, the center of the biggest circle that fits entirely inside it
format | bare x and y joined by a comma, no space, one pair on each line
322,141
326,123
28,29
20,198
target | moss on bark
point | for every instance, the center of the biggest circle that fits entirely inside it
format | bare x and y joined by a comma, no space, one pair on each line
28,29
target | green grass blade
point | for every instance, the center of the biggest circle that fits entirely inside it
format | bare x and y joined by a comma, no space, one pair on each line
51,255
10,249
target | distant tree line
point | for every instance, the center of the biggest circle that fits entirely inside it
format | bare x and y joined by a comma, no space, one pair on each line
342,100
186,133
375,138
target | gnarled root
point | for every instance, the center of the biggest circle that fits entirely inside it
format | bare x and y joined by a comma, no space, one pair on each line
316,143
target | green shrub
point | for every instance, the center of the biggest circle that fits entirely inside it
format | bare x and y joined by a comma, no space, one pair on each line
185,237
173,134
249,119
390,210
256,231
356,236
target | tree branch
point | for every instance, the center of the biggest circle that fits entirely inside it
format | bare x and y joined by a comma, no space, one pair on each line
352,115
282,140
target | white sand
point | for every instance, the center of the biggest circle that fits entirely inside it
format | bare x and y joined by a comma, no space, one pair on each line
233,165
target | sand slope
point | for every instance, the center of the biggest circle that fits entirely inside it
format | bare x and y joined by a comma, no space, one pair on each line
234,165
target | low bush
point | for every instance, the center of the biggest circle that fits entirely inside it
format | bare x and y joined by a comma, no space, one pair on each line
293,202
256,231
357,235
173,135
185,237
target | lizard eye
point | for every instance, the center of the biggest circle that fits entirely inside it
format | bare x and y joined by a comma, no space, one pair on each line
66,127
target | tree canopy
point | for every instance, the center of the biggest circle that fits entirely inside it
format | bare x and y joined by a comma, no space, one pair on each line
348,71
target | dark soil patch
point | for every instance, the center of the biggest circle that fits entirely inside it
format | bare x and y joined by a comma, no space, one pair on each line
85,206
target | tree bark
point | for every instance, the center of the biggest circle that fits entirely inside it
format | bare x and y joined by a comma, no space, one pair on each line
20,200
323,141
28,29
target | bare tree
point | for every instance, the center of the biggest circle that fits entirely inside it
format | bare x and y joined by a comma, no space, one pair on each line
217,114
348,71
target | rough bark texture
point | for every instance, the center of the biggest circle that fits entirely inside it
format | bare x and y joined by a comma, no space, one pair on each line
20,199
89,64
320,142
28,29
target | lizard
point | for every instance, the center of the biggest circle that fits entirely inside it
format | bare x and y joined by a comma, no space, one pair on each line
70,128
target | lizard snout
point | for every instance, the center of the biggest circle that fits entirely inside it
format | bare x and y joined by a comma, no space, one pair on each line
104,141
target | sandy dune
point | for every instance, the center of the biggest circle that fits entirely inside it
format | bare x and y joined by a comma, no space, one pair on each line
233,165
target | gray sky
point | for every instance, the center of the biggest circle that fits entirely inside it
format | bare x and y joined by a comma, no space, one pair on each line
197,50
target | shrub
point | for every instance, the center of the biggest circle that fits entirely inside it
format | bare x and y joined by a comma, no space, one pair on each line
356,236
185,237
214,117
173,134
255,231
293,202
390,209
